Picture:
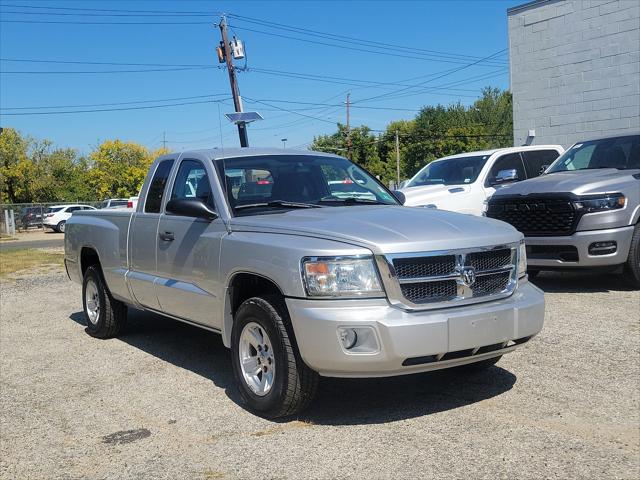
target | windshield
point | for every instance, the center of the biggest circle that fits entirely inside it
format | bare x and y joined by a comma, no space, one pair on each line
454,171
271,183
622,153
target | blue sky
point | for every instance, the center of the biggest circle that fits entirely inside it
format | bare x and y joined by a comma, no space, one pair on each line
418,42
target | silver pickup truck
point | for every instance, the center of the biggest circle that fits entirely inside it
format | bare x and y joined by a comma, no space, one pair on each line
307,266
584,211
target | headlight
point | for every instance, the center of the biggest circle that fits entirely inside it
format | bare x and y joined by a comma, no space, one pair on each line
522,260
606,202
340,277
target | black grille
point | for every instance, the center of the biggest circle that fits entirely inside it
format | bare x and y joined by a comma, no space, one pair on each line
425,266
429,291
564,253
536,217
490,284
490,260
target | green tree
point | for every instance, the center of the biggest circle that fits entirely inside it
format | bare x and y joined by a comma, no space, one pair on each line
117,169
14,165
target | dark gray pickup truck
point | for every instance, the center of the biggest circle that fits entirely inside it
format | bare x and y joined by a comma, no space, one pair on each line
583,211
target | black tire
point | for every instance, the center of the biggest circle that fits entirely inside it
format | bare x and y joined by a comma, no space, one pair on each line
632,266
294,383
480,366
60,228
112,314
532,273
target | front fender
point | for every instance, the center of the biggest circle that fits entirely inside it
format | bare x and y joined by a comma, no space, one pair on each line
275,257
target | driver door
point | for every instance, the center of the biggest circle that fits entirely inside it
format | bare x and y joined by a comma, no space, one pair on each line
188,251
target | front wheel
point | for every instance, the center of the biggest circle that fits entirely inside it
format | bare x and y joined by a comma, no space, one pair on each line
105,315
632,267
272,378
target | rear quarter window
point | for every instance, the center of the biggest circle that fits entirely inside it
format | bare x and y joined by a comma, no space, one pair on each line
158,184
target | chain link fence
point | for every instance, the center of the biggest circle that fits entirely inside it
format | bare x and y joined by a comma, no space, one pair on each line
28,216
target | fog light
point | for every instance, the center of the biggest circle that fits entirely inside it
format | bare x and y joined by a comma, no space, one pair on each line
348,337
603,248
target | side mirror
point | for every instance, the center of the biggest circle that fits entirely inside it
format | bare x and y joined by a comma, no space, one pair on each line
505,176
399,196
191,207
542,169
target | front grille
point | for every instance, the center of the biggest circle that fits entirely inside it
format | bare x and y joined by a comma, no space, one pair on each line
429,291
425,266
489,284
451,277
536,216
489,260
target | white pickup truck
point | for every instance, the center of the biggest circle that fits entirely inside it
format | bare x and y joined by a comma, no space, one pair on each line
463,183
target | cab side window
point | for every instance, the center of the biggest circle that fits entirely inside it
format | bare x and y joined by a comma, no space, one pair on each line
192,181
510,161
535,160
156,189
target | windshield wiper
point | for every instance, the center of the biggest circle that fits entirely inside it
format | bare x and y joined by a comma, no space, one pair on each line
277,204
351,200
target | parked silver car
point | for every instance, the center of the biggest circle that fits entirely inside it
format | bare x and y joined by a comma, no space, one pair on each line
254,244
584,211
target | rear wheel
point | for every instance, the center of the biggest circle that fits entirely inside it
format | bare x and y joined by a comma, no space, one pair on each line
61,226
272,378
105,316
632,267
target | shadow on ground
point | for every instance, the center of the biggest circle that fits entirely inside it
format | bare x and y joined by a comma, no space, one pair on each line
584,281
338,401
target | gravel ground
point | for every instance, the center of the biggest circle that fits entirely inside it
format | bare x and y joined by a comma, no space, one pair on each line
159,402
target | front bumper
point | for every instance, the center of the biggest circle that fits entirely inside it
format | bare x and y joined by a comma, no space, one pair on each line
549,252
404,338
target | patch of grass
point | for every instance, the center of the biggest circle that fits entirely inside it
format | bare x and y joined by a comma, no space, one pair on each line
12,261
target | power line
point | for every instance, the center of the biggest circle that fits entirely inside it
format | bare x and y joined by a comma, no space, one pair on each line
82,72
111,109
42,107
370,43
242,18
444,74
286,74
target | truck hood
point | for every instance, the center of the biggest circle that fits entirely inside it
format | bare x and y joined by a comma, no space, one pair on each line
579,182
428,194
385,228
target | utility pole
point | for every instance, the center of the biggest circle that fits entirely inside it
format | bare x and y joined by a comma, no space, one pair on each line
397,160
284,143
348,128
235,90
164,140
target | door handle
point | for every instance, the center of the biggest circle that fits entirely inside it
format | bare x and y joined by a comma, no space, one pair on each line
166,236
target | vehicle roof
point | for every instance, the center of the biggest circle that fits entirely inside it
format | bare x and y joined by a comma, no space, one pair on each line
69,205
220,153
617,135
522,148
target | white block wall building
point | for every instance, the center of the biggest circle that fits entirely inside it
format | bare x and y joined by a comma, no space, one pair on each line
574,69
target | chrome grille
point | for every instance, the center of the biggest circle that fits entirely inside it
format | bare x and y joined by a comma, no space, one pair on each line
429,291
489,260
448,278
425,266
489,284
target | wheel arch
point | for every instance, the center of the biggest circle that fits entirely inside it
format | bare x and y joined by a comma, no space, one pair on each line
88,256
241,286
